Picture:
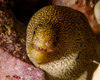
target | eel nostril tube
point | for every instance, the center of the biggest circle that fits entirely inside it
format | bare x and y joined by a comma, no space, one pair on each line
47,44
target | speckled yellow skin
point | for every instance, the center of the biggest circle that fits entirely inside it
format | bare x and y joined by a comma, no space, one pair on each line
64,43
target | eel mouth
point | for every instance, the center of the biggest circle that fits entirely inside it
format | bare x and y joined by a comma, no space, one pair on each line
42,49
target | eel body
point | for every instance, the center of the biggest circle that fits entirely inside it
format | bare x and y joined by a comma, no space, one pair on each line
61,42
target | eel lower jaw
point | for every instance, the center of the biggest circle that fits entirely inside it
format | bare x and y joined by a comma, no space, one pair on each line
42,49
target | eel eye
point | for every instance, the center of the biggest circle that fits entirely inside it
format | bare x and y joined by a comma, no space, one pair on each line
33,32
36,28
56,38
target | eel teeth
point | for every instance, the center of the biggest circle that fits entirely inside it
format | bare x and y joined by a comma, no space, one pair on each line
42,49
